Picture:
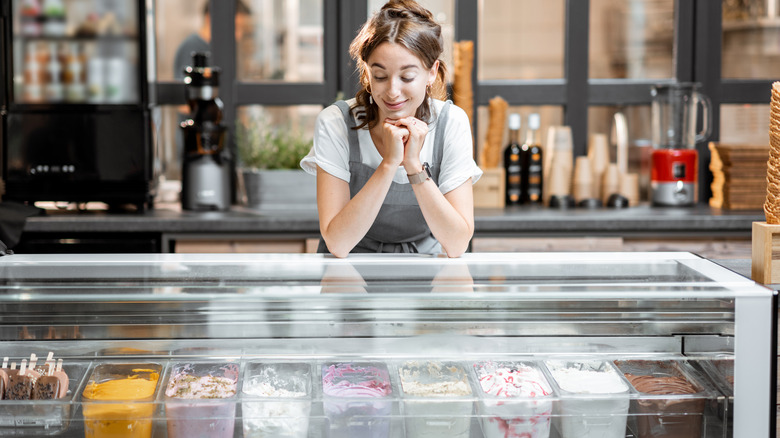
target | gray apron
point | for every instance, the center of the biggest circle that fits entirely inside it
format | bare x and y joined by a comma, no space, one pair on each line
399,226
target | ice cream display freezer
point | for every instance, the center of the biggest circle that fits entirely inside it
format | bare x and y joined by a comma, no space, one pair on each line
487,345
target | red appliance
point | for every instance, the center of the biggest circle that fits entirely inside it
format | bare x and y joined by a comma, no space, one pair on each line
674,169
673,176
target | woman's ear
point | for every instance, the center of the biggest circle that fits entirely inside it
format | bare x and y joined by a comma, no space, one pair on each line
434,73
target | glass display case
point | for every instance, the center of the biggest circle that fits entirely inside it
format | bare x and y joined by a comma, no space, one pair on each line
487,345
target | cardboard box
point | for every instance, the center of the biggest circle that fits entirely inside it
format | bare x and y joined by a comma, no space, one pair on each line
490,190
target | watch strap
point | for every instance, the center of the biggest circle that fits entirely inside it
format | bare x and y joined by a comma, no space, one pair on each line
421,177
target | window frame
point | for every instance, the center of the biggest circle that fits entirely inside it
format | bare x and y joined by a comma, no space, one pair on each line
697,57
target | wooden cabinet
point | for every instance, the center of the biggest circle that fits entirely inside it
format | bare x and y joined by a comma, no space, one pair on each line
712,248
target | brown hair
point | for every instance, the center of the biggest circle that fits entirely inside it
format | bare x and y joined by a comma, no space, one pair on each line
408,24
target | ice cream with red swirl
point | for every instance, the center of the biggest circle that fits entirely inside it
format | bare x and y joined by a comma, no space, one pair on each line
357,401
516,400
437,399
197,402
671,408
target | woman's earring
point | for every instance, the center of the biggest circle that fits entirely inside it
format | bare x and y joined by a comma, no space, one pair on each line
428,90
370,99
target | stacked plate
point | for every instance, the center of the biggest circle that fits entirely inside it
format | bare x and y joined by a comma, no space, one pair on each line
738,175
772,203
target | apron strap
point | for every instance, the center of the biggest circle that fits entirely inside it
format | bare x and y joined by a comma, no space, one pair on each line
438,141
352,135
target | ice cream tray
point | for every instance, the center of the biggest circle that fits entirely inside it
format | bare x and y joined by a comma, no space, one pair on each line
253,397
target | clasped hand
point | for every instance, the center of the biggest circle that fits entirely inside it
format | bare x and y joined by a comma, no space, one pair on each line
402,141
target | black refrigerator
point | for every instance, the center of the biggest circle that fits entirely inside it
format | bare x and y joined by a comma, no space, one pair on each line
76,104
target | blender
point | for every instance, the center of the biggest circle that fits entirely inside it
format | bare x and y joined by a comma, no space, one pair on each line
674,169
206,165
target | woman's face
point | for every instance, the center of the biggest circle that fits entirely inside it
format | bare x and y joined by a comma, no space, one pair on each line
398,80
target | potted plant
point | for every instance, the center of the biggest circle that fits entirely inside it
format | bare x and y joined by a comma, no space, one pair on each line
269,160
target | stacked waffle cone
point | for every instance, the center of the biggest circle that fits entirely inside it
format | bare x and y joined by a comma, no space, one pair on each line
772,203
462,87
490,156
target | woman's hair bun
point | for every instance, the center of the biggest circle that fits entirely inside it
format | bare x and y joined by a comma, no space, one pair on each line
408,9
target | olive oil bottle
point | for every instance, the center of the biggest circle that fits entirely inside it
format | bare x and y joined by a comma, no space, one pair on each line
532,164
513,164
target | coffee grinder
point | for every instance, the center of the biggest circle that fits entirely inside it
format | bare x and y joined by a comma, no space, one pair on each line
206,165
674,169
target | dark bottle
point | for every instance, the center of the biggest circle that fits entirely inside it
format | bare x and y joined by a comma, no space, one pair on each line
513,163
203,131
202,88
532,164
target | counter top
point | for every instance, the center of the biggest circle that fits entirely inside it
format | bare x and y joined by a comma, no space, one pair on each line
642,220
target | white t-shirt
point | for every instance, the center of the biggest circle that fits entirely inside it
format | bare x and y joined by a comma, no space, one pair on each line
331,148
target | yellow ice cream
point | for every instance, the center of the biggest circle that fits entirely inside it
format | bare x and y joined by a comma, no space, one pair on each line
131,420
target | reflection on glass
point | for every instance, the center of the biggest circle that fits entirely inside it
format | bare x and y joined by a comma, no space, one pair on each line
167,119
444,13
274,137
75,52
521,39
447,276
281,41
179,24
751,39
601,120
298,119
744,124
549,115
631,39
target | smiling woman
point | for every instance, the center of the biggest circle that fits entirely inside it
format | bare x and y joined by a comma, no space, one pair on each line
394,165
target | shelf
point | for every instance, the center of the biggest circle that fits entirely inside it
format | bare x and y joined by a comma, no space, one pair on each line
752,24
96,38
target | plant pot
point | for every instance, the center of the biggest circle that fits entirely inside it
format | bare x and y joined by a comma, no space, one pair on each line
279,189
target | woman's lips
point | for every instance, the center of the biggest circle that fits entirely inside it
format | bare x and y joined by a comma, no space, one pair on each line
394,106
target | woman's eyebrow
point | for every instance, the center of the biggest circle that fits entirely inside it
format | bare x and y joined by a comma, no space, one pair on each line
406,67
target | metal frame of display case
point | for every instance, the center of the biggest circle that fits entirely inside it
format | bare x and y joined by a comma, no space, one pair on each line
396,306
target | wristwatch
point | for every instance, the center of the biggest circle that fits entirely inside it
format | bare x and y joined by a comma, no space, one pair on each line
421,177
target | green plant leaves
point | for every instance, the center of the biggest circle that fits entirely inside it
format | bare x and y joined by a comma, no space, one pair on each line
261,146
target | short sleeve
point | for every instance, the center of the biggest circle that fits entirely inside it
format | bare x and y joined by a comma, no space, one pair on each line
331,146
457,164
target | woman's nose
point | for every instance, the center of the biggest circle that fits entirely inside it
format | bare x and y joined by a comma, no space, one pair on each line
395,88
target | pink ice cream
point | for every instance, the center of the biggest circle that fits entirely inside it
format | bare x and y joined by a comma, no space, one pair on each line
516,404
350,418
346,380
